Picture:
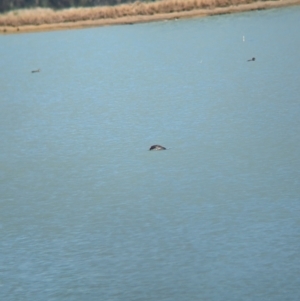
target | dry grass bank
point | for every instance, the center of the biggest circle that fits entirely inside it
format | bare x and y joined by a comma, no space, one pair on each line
47,19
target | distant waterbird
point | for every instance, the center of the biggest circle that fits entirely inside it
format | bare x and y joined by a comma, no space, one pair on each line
156,147
251,60
35,71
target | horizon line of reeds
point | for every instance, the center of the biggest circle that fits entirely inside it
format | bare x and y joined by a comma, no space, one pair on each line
39,16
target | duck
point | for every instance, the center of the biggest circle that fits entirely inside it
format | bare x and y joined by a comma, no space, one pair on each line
34,71
251,60
157,147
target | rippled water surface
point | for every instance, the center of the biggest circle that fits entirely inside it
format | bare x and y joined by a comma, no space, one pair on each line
88,213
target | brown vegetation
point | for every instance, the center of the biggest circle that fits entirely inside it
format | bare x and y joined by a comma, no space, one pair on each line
128,13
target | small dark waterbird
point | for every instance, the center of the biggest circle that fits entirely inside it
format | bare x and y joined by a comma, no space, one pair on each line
35,71
157,147
251,60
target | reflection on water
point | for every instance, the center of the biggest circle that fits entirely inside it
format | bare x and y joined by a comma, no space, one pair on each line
88,213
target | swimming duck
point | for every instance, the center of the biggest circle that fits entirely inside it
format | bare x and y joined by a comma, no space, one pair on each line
157,147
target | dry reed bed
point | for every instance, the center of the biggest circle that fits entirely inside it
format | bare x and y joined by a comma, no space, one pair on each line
41,16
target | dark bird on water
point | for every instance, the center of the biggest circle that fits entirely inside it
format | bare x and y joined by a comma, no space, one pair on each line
35,71
157,147
251,60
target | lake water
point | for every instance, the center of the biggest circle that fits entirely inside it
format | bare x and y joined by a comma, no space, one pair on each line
88,213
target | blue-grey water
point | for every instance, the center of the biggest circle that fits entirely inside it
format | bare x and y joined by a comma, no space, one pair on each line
88,213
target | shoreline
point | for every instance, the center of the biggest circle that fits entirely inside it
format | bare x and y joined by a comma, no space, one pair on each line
128,20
